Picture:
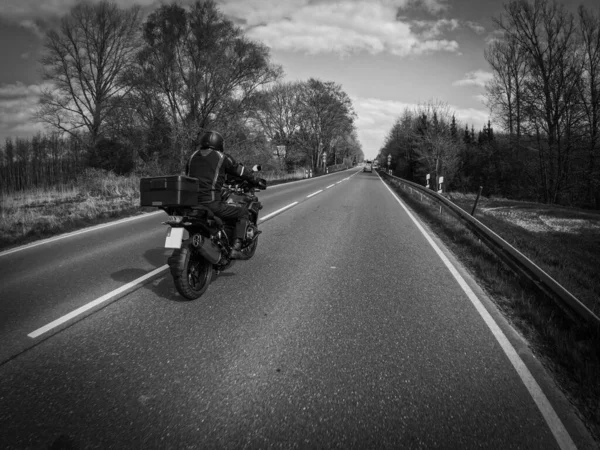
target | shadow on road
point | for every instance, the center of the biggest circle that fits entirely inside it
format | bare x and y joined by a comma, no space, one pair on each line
163,285
157,256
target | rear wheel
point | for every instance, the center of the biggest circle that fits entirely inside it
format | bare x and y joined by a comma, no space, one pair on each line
191,272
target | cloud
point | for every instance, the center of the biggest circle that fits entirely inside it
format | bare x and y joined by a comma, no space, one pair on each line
474,78
494,36
36,8
481,98
431,29
376,118
433,6
477,28
342,27
18,102
32,26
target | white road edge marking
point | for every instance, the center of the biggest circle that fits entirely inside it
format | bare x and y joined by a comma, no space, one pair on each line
75,233
278,211
314,193
554,423
96,302
330,186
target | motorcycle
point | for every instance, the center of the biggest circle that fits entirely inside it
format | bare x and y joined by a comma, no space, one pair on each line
207,247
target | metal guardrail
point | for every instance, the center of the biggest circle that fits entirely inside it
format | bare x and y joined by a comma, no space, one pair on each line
515,259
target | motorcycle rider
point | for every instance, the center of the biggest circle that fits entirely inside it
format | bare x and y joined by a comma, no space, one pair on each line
209,164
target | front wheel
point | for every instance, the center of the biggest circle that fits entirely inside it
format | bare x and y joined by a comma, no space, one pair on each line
250,249
191,272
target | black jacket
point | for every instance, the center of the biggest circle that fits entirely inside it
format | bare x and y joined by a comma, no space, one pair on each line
210,167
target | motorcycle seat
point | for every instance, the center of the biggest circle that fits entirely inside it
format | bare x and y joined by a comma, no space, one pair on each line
209,214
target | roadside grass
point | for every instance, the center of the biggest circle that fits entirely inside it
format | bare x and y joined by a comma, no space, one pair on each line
95,197
564,242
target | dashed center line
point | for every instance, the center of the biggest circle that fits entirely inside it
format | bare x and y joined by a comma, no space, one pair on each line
330,186
314,193
278,211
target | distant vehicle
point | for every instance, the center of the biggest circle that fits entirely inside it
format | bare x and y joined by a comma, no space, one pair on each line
368,167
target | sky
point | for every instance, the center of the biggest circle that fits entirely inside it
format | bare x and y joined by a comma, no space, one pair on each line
387,55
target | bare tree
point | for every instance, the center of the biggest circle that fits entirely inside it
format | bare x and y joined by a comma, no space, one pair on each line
589,89
546,33
202,67
278,113
326,114
505,90
84,60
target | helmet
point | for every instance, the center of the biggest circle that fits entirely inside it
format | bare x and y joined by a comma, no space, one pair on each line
211,139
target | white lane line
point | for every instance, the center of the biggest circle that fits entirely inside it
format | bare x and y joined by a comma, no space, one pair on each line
554,423
330,186
278,211
75,233
339,182
96,302
314,193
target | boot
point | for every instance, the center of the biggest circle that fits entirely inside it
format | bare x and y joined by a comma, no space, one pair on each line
236,248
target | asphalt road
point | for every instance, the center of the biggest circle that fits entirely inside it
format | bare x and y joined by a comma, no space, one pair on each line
346,330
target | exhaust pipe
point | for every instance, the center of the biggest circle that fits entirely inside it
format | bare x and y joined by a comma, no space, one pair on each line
210,251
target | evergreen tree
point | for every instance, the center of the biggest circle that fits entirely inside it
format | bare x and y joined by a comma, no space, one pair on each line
489,132
453,129
467,135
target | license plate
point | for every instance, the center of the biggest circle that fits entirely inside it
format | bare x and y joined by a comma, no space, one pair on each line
174,238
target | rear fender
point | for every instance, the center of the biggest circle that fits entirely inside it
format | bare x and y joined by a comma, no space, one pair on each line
179,259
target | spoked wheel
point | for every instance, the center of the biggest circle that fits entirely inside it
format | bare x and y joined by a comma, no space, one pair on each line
191,273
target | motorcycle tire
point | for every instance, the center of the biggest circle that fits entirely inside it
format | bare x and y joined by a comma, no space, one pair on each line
191,272
249,251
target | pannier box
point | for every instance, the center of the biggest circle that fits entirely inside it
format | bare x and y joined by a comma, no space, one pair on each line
171,190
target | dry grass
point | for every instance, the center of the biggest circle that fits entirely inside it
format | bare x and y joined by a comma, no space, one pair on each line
280,176
95,197
562,241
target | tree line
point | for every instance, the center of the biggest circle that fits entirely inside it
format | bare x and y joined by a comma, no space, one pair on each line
545,97
134,92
